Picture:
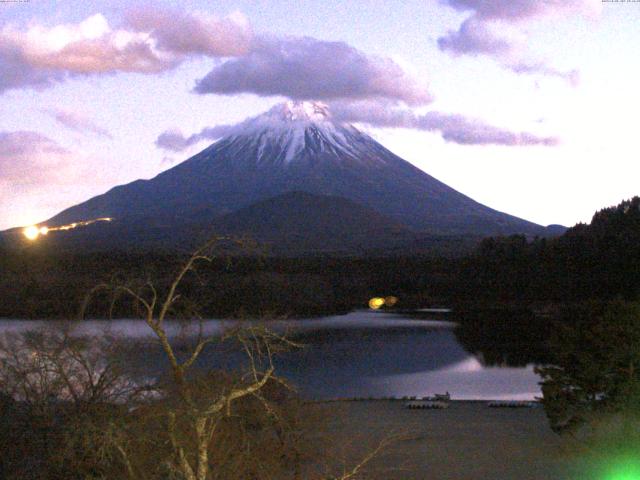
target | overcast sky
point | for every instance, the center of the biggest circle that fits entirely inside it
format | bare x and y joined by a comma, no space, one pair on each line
527,106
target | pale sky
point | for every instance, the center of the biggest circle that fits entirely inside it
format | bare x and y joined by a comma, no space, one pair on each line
527,106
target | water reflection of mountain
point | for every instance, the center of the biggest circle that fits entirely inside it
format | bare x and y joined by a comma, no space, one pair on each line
365,353
374,353
504,336
342,360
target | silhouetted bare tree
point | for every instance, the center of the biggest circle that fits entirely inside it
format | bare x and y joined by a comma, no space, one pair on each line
194,423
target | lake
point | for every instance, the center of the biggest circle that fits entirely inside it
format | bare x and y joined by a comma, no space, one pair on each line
361,354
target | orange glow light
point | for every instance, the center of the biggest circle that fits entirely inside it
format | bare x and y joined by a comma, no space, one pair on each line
376,302
33,232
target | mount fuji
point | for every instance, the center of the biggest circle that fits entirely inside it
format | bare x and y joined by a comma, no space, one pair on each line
288,165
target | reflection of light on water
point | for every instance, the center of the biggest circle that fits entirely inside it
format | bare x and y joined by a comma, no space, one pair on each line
465,380
468,365
33,232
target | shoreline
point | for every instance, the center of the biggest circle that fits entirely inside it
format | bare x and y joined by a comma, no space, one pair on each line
466,441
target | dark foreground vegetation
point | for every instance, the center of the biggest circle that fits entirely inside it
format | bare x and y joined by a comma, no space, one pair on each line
575,311
73,407
569,304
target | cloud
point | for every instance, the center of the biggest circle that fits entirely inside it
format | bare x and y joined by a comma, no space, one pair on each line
521,10
470,131
305,68
78,122
155,41
175,141
29,158
478,34
571,76
475,37
152,40
197,33
40,56
453,128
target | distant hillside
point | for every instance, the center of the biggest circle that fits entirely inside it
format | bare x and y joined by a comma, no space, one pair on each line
596,260
294,223
298,222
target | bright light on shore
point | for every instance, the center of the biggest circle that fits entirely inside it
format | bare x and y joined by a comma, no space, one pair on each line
31,232
376,302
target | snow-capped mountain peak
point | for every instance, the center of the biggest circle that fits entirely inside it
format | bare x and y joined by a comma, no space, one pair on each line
289,115
305,111
289,129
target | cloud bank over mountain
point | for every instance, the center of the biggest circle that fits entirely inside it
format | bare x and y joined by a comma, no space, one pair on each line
305,68
454,128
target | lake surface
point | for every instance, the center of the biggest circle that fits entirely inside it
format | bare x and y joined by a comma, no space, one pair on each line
361,354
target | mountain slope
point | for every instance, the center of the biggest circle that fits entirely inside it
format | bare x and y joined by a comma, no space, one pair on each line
297,147
298,222
291,224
